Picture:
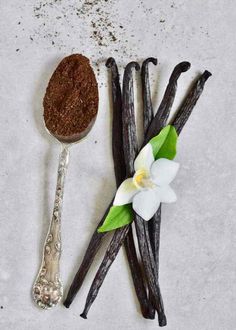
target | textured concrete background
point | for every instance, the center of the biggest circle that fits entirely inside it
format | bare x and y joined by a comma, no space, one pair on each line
198,267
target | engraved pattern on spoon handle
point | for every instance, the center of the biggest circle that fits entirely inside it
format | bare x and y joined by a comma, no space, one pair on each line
47,290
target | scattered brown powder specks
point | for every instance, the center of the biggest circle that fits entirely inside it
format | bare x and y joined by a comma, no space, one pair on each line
95,13
99,28
104,30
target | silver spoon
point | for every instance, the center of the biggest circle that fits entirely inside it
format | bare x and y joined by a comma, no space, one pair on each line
70,109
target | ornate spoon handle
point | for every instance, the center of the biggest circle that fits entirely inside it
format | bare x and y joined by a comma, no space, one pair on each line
47,290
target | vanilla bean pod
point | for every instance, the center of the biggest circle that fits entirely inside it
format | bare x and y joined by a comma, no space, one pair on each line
147,118
130,151
130,145
150,269
149,234
130,148
189,102
146,93
108,259
117,143
120,172
89,256
130,142
164,109
147,309
161,118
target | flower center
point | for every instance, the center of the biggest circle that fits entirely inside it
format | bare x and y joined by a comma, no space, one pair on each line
142,179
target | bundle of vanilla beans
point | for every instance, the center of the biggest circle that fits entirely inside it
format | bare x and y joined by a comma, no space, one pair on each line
145,272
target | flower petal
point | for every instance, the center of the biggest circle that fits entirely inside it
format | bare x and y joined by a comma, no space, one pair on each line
125,192
146,203
144,159
163,171
166,194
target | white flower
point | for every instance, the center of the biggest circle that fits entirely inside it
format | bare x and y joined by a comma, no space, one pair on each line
150,184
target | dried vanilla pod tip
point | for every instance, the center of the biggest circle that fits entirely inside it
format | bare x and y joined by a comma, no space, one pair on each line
71,99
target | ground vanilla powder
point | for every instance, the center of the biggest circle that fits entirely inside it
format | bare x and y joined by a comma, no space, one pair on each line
71,99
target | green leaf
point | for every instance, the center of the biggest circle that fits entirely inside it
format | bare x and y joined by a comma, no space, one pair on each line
164,144
117,217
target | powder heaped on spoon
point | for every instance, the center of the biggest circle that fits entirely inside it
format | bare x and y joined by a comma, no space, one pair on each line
71,99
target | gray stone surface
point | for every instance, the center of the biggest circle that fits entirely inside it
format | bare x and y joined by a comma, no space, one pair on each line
198,268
